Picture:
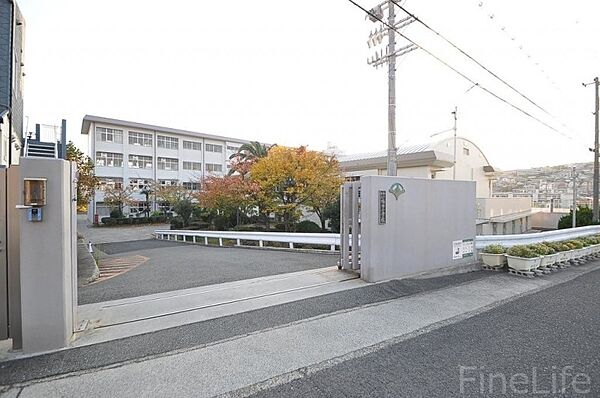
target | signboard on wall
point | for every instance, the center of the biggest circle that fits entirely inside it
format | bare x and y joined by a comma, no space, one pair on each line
462,248
382,207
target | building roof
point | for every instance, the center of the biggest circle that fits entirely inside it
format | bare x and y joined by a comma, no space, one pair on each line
88,119
407,156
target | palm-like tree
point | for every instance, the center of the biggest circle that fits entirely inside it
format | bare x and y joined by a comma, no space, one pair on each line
250,153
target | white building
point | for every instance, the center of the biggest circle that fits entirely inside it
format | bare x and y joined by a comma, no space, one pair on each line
137,154
430,160
436,160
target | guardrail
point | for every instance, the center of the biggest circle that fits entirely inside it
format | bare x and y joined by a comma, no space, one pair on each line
525,239
331,240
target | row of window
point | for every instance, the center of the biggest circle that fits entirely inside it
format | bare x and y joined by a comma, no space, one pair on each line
144,139
110,159
138,184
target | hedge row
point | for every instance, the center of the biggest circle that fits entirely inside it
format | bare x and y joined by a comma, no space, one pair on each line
133,221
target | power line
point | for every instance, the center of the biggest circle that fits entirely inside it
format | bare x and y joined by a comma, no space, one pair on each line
460,73
471,58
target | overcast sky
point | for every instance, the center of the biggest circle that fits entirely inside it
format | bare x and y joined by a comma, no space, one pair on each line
295,72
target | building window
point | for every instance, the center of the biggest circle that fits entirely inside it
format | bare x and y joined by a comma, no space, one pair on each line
192,186
171,164
109,159
138,184
192,166
110,183
138,207
466,151
192,145
141,139
214,148
210,167
140,162
109,135
167,183
233,148
167,142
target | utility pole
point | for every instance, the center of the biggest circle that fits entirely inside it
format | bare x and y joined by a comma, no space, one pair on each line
391,159
455,113
574,218
389,28
596,150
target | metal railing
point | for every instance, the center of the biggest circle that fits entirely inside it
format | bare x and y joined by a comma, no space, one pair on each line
525,239
291,238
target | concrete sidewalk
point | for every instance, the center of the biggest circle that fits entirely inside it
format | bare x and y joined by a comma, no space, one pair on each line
249,363
116,319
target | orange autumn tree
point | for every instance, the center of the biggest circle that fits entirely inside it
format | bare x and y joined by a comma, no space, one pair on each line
228,195
293,178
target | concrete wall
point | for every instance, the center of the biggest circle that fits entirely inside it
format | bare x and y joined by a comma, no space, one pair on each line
493,207
420,228
546,220
47,269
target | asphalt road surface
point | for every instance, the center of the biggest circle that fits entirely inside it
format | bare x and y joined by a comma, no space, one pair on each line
174,266
533,346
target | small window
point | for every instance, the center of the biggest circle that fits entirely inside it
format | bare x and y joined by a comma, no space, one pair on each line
192,186
138,184
192,145
140,139
213,167
110,183
214,148
233,148
140,162
109,159
169,164
167,142
109,135
192,166
466,151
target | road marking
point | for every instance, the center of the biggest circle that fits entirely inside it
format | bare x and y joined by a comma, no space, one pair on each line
111,267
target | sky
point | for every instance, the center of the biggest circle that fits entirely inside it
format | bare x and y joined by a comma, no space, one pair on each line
295,72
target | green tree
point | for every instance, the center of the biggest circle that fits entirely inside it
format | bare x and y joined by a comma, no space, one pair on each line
87,182
332,213
583,218
184,209
246,156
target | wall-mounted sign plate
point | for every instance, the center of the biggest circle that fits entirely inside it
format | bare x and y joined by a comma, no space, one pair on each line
382,208
462,248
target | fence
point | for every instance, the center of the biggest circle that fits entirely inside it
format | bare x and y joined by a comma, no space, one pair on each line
331,240
525,239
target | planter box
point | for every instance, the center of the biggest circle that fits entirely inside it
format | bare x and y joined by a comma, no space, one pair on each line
561,257
523,264
549,260
493,260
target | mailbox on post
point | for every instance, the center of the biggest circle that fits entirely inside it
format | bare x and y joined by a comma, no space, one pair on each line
34,197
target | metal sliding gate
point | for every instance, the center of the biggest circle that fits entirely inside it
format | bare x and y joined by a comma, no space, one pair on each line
350,226
10,288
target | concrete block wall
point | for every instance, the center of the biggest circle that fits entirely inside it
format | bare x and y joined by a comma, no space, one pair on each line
421,226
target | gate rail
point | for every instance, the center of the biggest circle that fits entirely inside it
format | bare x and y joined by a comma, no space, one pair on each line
525,239
291,238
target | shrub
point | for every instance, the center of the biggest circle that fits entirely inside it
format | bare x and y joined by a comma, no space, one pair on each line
540,249
156,213
307,226
250,228
116,213
494,249
522,251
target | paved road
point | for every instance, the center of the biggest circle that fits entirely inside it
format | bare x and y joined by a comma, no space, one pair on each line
401,338
550,333
173,266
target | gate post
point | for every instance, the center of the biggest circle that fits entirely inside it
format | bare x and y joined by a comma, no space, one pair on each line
47,269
